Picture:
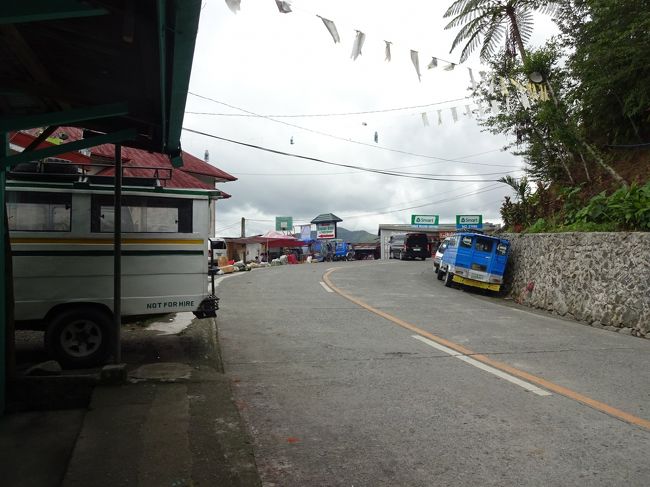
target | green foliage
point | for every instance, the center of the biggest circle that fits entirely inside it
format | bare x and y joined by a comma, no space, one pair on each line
625,209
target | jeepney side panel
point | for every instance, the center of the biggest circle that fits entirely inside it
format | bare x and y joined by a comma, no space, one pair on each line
161,272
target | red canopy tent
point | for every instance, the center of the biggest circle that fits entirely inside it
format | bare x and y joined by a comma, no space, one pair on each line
274,239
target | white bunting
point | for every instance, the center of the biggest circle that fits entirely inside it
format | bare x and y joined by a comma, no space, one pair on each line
416,63
454,114
329,25
233,5
495,107
387,51
480,108
468,111
433,63
450,67
358,44
425,119
471,78
439,117
283,6
523,98
504,86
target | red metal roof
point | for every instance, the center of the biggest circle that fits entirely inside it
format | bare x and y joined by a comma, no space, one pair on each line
179,179
22,139
191,164
139,162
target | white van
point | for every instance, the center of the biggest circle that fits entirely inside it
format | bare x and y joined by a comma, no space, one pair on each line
216,248
62,246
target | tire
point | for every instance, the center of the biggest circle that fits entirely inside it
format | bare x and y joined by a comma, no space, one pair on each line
401,256
449,279
79,337
439,274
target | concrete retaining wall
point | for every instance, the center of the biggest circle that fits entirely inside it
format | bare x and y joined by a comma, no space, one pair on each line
602,279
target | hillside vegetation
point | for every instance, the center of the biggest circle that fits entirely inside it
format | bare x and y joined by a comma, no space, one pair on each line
576,109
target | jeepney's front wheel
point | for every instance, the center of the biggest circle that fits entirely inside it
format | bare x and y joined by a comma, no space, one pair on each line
79,337
449,279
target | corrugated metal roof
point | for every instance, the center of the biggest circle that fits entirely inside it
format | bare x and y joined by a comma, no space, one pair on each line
326,217
23,140
191,164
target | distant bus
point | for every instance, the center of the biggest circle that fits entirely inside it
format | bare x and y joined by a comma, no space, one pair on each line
474,260
62,245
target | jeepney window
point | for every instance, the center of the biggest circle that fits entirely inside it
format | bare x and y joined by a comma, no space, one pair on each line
502,249
452,242
143,214
39,212
466,242
484,244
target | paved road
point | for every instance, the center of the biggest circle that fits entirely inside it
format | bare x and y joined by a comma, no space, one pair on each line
343,393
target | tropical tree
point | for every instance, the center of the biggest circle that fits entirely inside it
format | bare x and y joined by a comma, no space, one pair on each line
485,22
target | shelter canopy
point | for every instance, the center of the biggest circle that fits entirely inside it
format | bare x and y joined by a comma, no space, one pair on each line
117,67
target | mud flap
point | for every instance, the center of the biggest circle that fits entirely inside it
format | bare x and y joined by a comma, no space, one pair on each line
208,307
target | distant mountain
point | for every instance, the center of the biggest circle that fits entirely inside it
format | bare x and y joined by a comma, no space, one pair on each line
351,236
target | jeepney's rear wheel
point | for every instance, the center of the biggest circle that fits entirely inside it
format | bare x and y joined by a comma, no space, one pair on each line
79,337
439,274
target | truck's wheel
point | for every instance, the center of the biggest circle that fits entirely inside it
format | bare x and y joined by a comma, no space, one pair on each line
439,274
79,337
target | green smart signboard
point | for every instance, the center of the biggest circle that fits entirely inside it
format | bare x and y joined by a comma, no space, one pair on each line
469,221
283,223
424,220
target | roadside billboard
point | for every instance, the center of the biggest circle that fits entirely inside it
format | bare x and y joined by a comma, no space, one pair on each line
325,231
424,220
469,221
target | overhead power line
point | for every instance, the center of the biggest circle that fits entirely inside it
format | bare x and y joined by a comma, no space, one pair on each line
341,114
322,161
374,146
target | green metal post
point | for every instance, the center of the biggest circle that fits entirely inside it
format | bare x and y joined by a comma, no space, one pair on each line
117,257
4,147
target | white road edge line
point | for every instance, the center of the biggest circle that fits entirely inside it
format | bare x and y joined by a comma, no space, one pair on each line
326,287
526,385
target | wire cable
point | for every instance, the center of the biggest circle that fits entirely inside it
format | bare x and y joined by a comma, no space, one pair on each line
321,115
398,151
322,161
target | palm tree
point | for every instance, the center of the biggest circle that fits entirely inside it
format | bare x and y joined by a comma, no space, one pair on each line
486,22
522,191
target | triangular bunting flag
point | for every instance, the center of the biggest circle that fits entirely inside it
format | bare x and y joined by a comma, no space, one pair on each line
468,111
471,78
504,86
450,67
433,63
454,114
283,6
331,28
439,117
425,119
495,107
358,44
387,50
416,63
233,5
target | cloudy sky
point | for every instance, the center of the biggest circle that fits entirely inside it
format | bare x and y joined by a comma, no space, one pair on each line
256,70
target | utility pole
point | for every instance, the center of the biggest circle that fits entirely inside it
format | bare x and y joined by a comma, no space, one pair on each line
243,227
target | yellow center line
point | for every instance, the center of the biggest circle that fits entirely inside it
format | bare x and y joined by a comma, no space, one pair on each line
564,391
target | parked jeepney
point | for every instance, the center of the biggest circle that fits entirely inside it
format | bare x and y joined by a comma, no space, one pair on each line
474,260
61,231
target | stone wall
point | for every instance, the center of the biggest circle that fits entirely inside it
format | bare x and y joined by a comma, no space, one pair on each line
602,279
